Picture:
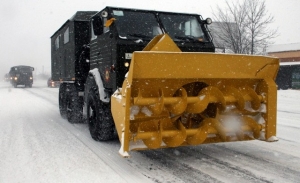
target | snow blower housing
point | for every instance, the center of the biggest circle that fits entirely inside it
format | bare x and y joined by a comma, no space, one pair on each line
152,79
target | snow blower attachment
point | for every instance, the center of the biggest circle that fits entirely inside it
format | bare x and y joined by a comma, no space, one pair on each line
171,98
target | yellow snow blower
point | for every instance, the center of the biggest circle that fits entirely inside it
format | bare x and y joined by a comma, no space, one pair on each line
172,98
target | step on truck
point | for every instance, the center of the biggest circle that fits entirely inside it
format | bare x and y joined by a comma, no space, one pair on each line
153,80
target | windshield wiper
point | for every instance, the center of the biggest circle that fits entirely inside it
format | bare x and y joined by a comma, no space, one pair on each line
186,38
139,35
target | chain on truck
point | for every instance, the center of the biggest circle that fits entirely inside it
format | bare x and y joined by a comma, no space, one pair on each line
152,79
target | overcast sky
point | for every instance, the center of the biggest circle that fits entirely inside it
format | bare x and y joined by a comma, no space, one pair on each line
26,25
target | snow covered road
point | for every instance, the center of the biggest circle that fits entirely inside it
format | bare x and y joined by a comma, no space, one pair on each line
37,145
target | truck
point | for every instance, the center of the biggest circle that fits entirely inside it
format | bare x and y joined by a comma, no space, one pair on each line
21,75
130,75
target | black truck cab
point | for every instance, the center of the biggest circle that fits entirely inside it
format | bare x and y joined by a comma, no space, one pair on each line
117,32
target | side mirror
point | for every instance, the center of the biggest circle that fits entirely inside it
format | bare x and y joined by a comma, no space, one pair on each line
32,68
104,14
207,21
97,25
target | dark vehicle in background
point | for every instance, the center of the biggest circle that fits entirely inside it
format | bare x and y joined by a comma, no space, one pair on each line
21,75
6,77
288,76
53,84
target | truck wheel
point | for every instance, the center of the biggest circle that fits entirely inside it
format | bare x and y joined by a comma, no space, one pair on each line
74,106
62,100
99,117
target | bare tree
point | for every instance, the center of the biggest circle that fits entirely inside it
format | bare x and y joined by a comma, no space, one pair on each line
243,26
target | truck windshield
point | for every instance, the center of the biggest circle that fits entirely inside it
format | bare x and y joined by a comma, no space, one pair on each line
135,24
25,69
183,27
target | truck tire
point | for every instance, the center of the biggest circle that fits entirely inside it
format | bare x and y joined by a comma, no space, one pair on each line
99,117
74,106
62,100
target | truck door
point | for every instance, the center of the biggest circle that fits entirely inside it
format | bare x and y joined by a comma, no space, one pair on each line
101,48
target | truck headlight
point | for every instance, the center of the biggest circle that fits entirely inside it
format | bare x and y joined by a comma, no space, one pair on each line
30,77
126,64
16,78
